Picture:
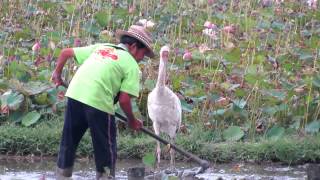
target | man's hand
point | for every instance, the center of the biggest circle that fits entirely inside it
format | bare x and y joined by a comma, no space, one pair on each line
61,61
125,104
56,79
135,124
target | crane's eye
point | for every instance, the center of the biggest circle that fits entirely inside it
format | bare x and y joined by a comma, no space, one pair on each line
165,54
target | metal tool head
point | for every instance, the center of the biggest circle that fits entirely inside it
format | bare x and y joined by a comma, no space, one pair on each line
204,165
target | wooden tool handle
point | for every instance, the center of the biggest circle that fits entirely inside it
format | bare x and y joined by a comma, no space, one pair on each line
203,163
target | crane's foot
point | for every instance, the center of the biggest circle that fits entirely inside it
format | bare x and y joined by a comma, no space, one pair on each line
167,148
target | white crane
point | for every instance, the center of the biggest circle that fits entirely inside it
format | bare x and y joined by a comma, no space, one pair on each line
164,107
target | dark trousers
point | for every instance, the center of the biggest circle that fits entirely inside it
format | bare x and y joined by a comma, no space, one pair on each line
78,118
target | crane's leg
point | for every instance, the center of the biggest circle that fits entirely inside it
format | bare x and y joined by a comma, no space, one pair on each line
172,154
156,128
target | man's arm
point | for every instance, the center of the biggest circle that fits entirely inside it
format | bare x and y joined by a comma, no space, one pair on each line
65,54
125,104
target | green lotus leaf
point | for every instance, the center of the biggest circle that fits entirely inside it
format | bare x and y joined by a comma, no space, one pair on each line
12,99
30,118
275,132
233,133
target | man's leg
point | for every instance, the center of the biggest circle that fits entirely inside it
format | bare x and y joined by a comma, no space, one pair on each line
74,127
103,132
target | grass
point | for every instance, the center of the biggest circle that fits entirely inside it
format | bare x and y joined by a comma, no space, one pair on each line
287,150
43,140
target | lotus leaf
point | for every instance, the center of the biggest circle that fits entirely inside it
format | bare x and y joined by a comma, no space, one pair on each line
30,118
12,99
233,133
275,132
313,127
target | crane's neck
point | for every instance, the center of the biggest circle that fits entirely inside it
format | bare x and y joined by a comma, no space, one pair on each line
162,73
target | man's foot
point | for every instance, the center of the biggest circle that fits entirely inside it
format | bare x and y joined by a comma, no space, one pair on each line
103,176
63,173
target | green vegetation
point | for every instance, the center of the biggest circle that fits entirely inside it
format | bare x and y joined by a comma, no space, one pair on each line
43,140
247,73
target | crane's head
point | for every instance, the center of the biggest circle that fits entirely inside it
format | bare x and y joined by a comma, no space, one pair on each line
164,52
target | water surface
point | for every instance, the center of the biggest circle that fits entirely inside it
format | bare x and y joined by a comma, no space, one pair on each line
34,168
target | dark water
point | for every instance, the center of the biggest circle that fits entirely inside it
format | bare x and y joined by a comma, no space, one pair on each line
31,168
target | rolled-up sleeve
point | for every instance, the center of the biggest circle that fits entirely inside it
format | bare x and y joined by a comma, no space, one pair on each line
82,53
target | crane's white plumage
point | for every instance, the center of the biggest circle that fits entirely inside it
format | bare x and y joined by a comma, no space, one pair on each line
164,107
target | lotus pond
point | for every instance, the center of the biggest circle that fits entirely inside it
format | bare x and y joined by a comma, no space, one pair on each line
23,168
245,71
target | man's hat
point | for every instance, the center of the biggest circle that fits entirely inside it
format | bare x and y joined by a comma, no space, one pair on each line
140,33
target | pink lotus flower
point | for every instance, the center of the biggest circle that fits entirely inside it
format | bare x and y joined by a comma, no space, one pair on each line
114,3
209,25
39,60
49,57
77,42
299,89
223,101
4,109
229,29
266,3
131,9
210,2
210,32
203,48
187,56
177,51
36,47
60,95
12,58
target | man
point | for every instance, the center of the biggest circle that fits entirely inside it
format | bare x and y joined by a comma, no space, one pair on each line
106,70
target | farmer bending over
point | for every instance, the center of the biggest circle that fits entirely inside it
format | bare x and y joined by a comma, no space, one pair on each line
106,70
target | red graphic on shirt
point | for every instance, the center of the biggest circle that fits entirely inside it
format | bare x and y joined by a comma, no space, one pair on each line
108,53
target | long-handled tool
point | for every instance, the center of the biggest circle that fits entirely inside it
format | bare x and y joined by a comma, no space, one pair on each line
203,163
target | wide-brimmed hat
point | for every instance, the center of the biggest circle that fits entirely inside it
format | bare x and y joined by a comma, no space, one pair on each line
140,33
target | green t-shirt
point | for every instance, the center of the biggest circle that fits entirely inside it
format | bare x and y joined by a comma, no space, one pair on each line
105,70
